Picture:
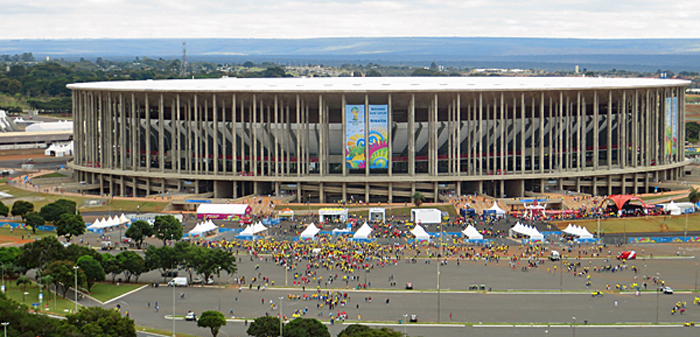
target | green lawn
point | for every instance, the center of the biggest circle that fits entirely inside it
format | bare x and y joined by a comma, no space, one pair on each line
640,224
18,233
51,175
117,205
163,332
61,307
106,291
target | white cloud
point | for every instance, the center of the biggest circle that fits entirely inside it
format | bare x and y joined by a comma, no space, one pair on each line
334,18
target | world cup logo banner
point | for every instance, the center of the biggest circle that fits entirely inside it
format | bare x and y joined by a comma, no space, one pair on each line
356,141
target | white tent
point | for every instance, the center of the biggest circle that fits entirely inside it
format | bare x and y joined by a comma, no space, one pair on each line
51,126
530,231
377,214
340,214
673,208
363,232
259,227
420,233
471,233
203,227
52,150
578,231
248,231
309,232
123,219
497,209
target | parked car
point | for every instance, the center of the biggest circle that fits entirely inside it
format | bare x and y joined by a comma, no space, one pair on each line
627,255
554,255
199,280
666,290
414,319
191,316
409,285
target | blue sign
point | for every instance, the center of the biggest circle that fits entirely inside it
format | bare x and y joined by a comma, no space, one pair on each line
197,201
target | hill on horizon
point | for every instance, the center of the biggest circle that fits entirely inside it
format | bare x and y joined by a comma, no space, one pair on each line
472,52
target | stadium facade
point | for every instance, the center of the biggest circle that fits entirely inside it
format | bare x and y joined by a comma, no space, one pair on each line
378,139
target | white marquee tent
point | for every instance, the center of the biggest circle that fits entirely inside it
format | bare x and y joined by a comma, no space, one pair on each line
309,232
420,233
578,231
525,230
471,233
363,232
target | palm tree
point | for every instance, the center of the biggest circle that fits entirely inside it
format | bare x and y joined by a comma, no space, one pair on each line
23,282
694,195
418,198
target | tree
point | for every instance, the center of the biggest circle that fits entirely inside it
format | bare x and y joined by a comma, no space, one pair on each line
373,73
694,195
9,260
41,253
138,231
21,208
213,261
306,327
93,270
4,210
75,252
96,321
133,264
353,330
264,326
34,220
70,225
111,265
167,227
63,273
418,198
53,211
213,320
163,258
23,282
692,132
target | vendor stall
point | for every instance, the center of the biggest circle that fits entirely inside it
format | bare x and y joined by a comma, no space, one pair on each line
333,214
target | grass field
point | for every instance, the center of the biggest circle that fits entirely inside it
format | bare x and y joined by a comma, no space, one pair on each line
51,175
116,205
106,291
61,307
676,223
19,233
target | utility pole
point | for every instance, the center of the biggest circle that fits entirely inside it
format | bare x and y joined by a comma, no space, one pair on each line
185,61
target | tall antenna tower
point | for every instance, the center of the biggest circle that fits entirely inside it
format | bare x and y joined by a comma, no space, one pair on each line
185,61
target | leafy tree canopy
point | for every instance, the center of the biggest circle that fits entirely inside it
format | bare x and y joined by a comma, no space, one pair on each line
213,320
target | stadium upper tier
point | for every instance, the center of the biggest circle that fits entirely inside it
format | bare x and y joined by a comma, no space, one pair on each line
378,84
379,138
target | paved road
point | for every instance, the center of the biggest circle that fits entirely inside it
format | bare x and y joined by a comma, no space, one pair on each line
525,306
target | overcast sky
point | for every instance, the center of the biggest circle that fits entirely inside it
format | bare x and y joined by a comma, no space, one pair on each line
347,18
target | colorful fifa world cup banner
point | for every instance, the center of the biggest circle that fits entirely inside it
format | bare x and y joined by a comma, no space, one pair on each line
671,125
355,136
378,136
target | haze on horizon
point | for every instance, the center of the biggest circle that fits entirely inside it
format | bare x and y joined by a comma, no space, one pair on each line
589,19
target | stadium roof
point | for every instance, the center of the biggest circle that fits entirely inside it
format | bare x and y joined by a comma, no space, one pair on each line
378,84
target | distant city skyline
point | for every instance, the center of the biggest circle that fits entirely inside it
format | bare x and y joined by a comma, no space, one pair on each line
78,19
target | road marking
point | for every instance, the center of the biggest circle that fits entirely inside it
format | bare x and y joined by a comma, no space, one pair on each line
125,294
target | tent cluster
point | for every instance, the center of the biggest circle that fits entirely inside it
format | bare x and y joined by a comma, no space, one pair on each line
471,233
109,223
578,231
679,208
202,228
525,230
59,150
61,125
253,229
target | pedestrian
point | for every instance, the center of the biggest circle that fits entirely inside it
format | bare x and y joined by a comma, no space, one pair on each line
149,305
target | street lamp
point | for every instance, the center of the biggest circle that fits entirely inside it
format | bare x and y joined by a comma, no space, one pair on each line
573,327
174,309
281,317
4,326
75,268
405,317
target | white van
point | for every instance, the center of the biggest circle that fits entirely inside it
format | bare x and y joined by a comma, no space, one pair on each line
178,282
554,255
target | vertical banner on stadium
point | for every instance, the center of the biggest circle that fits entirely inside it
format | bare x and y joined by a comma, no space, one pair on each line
669,127
355,133
674,117
378,133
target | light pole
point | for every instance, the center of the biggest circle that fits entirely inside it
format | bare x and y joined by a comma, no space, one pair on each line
573,327
657,306
174,309
696,276
685,232
75,268
4,326
405,318
281,317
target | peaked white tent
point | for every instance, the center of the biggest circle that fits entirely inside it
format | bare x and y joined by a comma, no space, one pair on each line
259,227
309,232
530,231
578,231
471,233
673,208
203,227
123,219
363,232
420,233
497,209
248,231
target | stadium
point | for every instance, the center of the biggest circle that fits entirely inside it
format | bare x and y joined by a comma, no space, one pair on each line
378,139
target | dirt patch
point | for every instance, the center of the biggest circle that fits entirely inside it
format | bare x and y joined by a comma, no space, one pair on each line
23,156
8,240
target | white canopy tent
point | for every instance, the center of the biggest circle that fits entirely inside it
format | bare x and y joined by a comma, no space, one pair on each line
363,232
309,232
340,214
420,233
672,208
525,230
497,209
578,231
203,227
248,231
471,233
258,227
